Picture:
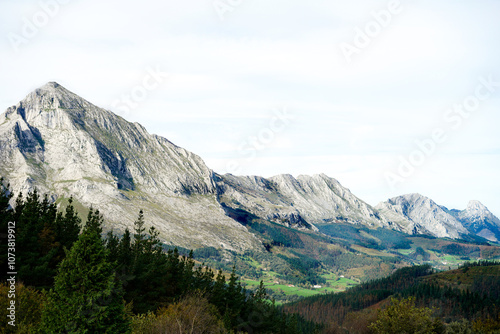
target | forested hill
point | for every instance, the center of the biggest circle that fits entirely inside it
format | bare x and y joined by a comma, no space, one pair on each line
470,294
130,284
66,276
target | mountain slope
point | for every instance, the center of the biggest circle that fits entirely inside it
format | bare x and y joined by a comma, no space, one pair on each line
471,292
421,215
301,202
479,220
61,143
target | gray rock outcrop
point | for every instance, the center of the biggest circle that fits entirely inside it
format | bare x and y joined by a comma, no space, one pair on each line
479,220
62,144
418,214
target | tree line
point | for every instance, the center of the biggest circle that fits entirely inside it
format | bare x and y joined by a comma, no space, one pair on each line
73,279
477,306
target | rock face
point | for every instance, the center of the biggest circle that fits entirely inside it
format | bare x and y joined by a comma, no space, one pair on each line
421,215
298,202
479,220
64,145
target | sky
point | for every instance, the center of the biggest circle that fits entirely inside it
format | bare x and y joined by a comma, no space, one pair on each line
388,97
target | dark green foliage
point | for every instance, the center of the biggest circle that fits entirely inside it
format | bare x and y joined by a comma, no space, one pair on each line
153,279
476,239
391,238
6,215
41,235
334,307
420,254
461,250
207,253
348,232
68,225
181,250
482,263
87,297
261,316
306,266
480,301
349,260
141,266
388,238
278,235
94,221
402,316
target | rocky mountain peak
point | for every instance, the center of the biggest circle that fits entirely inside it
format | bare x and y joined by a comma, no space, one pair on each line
51,85
479,220
301,202
476,207
412,197
477,211
421,214
62,144
53,94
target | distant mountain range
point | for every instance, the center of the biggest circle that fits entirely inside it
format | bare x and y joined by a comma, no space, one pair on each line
63,145
478,220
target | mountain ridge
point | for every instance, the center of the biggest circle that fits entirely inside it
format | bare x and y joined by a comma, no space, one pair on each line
63,144
478,219
423,215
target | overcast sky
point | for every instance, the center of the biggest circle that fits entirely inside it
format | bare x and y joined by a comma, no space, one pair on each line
388,97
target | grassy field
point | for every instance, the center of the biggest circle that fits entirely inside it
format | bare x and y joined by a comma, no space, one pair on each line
288,289
371,251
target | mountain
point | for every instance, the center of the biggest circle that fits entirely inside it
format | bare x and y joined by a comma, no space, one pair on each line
421,215
479,220
60,143
300,202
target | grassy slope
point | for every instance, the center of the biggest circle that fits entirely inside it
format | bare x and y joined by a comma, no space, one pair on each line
338,257
448,304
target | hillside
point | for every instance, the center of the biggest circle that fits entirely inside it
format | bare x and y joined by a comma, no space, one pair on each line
305,263
471,292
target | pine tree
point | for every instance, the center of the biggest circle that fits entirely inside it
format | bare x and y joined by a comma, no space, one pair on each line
34,239
5,197
94,221
6,216
139,235
41,235
143,268
112,243
124,254
235,300
218,292
68,225
87,297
